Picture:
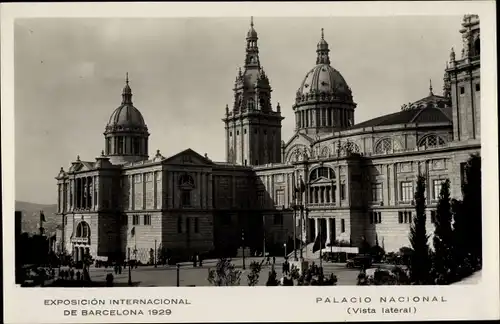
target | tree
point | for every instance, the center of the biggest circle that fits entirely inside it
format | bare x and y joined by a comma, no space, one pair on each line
467,220
444,268
224,274
253,276
272,279
420,264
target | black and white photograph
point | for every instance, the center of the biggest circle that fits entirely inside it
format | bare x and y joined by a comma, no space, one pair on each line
249,151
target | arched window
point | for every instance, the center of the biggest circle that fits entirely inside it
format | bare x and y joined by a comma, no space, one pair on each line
383,146
120,145
322,172
83,229
430,141
137,146
251,104
477,47
186,181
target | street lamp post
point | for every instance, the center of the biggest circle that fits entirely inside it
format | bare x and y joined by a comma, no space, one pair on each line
155,254
301,231
294,207
129,274
243,246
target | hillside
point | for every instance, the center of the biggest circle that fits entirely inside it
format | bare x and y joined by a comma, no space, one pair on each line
31,216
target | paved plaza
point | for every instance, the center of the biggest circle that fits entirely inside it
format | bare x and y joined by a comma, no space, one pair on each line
149,276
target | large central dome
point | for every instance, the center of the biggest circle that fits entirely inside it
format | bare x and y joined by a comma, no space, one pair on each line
323,102
324,79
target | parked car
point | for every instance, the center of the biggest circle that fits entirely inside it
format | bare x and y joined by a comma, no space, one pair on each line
360,260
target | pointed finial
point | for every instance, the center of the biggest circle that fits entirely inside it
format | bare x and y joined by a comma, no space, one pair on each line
126,78
62,169
322,33
430,87
78,157
278,107
157,152
251,21
102,153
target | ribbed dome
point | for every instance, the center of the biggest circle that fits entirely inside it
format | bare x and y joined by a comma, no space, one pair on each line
324,79
127,116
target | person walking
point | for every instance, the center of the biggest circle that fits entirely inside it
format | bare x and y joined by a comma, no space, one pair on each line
71,273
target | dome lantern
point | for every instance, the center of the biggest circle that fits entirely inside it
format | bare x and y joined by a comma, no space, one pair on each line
126,134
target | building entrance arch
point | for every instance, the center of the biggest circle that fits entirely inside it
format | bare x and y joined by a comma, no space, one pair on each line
81,241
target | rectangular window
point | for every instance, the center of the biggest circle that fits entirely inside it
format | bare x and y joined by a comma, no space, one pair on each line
186,198
433,216
65,220
436,187
125,219
463,174
196,225
406,191
342,191
342,225
278,219
260,198
376,192
179,224
462,90
135,220
237,132
230,134
404,217
245,131
478,87
375,217
280,197
137,178
147,219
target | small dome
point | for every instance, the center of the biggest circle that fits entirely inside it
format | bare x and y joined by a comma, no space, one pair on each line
251,32
324,79
127,116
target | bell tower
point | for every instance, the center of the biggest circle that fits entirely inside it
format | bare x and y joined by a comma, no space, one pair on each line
464,83
253,128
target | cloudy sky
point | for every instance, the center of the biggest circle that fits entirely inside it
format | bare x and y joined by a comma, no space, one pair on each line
69,74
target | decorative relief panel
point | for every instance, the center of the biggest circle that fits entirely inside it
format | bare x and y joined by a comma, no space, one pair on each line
438,164
279,178
405,167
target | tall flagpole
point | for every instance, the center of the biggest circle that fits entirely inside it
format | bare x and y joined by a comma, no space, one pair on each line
294,217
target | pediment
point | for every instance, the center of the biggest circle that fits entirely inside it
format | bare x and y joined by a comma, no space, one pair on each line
321,180
188,157
82,166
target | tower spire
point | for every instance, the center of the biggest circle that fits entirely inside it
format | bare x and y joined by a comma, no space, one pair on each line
252,50
127,92
430,88
322,50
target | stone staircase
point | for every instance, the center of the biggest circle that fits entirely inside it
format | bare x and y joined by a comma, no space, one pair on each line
307,252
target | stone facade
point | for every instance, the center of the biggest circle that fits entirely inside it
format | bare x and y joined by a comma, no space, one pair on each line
345,181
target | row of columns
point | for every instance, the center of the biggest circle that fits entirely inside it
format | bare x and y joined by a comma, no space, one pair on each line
79,193
79,252
203,189
323,117
126,145
322,194
330,230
